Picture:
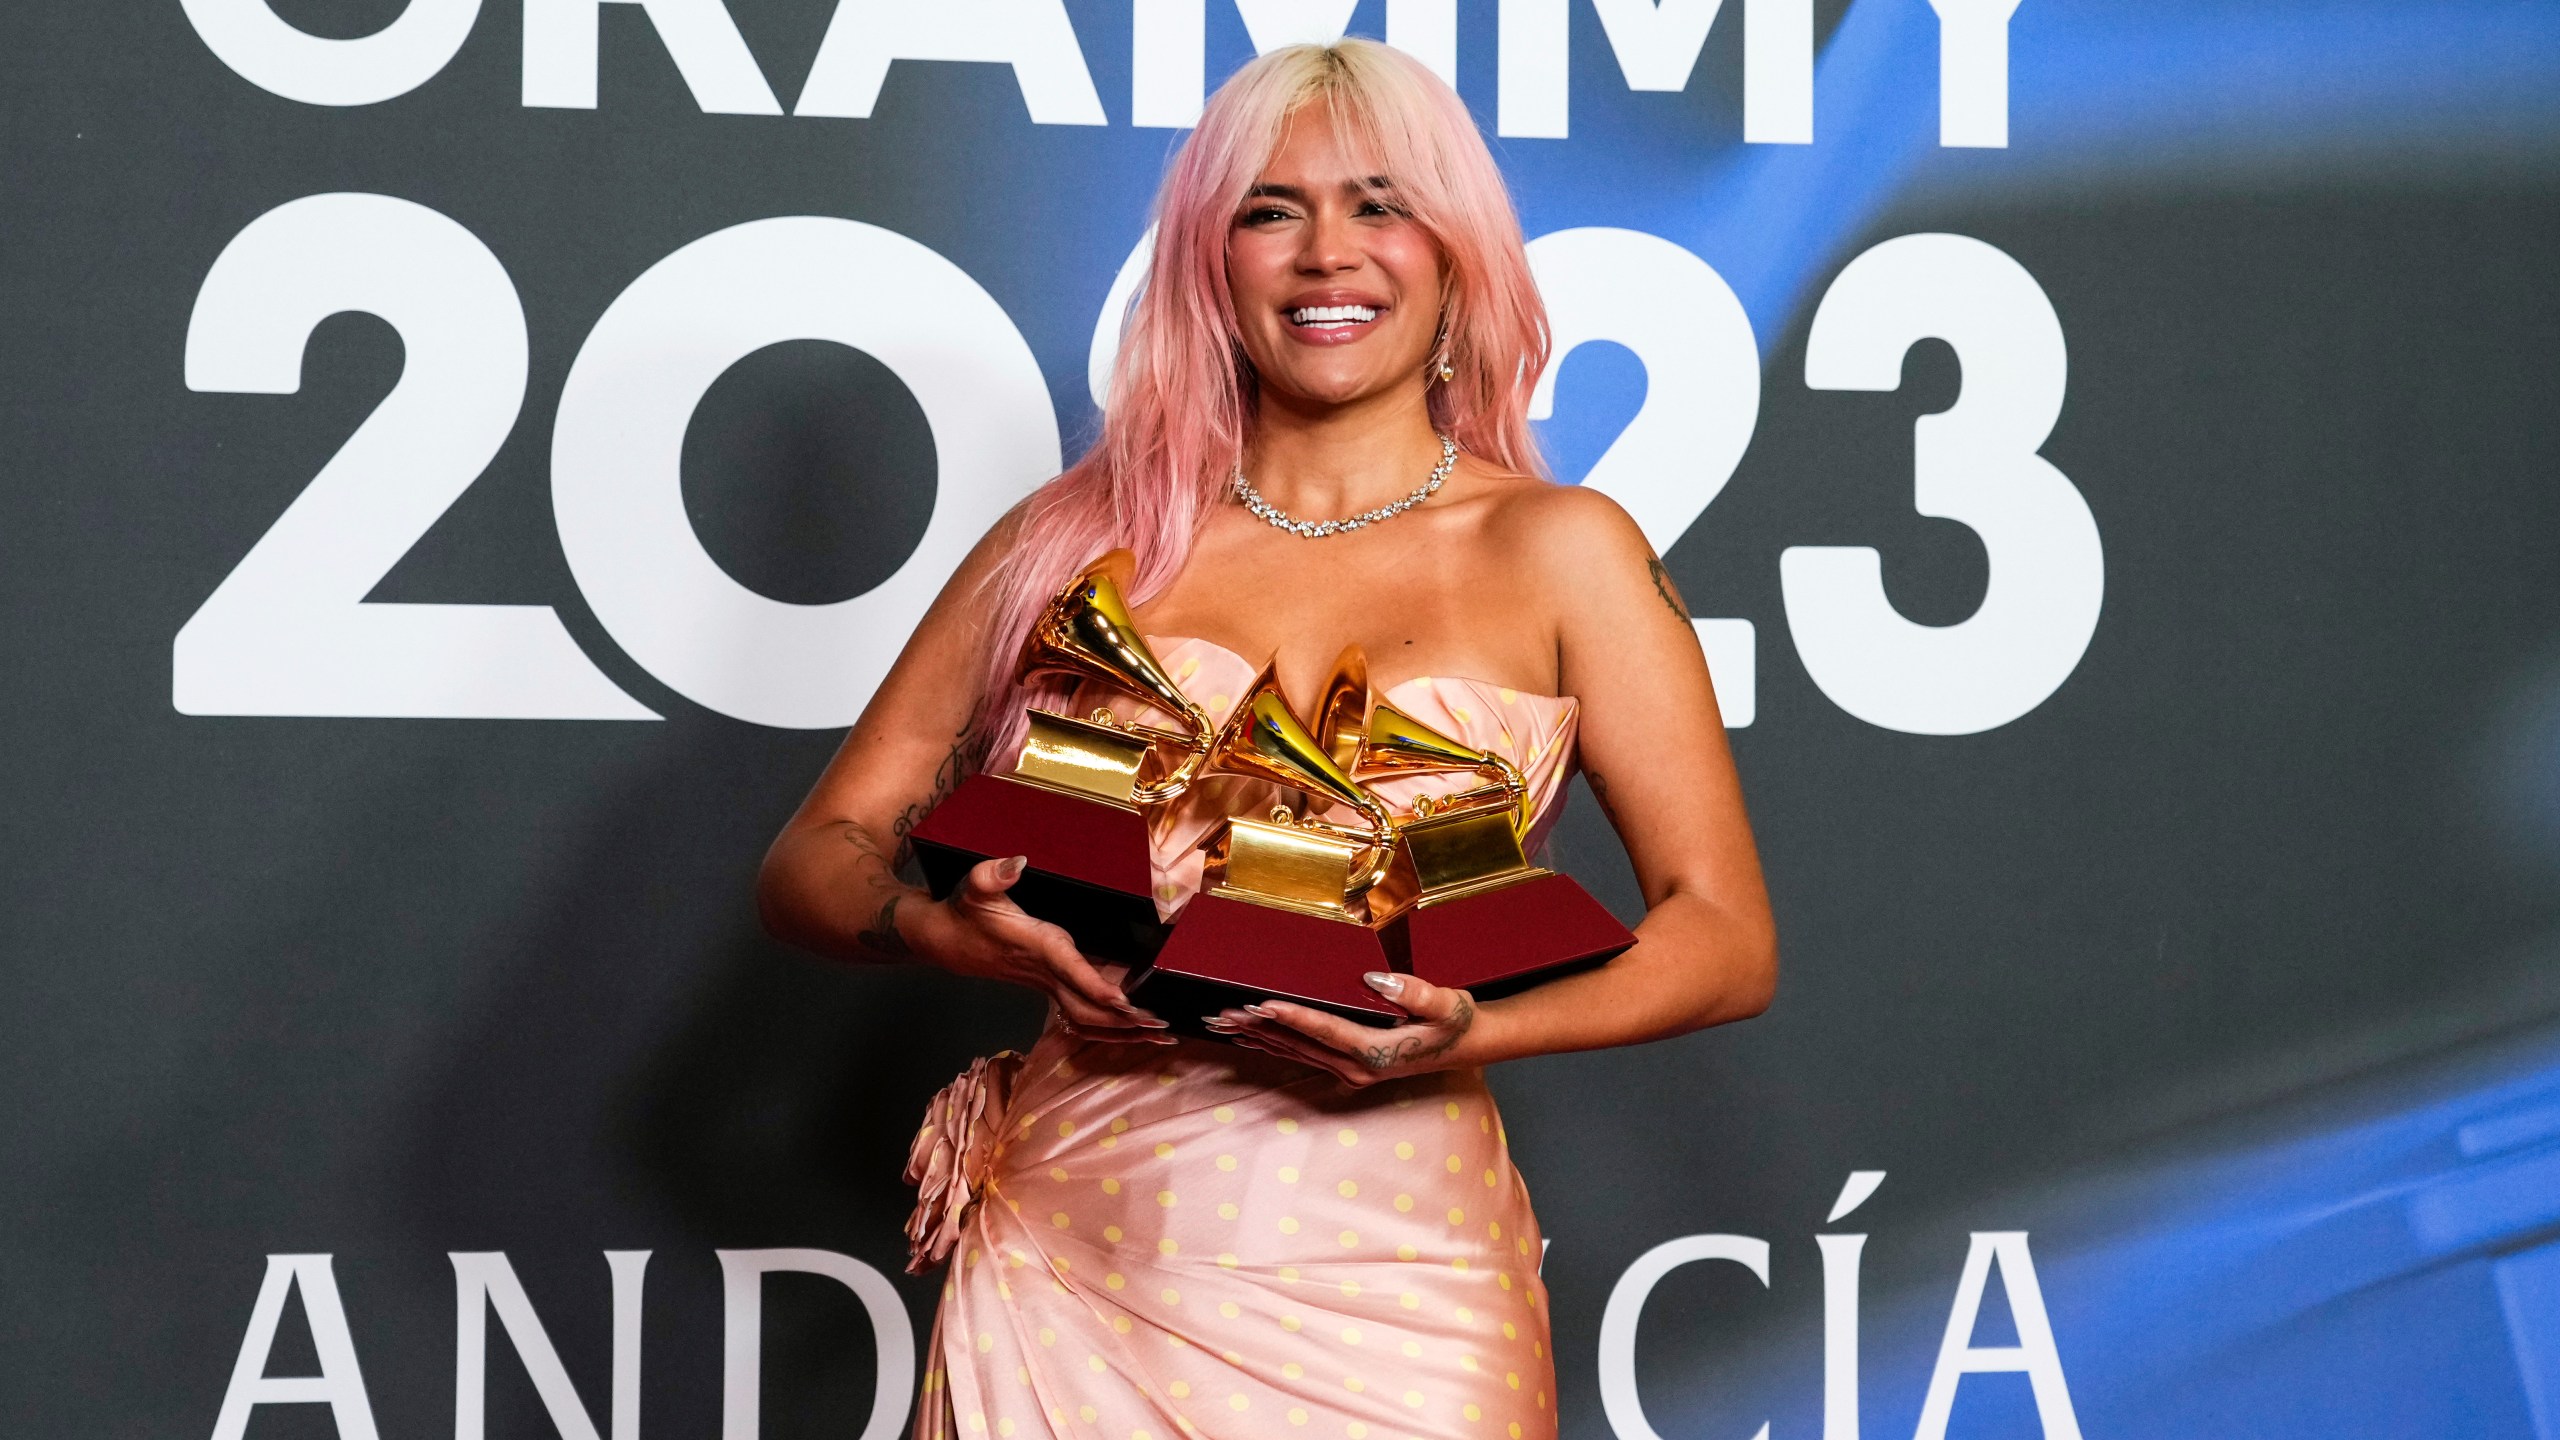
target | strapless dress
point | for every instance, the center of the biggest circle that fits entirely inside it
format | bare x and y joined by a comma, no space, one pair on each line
1197,1240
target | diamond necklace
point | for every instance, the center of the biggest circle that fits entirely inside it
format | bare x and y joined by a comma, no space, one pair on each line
1317,530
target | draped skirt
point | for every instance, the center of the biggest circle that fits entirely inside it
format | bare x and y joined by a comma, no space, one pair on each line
1202,1241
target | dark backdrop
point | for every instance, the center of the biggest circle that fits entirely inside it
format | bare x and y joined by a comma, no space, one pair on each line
390,988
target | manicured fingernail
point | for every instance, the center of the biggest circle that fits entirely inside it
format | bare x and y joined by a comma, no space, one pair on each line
1260,1012
1385,983
1149,1022
1012,869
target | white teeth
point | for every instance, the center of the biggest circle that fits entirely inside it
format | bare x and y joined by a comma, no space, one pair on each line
1332,316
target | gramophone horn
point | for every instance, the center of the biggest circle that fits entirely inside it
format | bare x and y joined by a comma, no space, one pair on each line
1395,743
1266,740
1087,633
1342,708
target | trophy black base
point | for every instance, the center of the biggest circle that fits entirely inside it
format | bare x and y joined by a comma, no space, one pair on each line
1090,868
1226,952
1502,941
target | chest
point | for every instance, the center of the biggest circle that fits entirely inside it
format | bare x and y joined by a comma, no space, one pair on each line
1421,595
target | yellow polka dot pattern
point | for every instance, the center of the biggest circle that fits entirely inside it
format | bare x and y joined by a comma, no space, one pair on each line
1261,1259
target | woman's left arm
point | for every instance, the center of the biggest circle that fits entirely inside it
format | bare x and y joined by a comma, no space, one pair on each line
1653,748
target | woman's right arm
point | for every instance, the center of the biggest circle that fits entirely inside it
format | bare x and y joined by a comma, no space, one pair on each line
831,882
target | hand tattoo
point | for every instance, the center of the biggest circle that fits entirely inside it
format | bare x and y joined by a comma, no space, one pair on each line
1662,587
1381,1057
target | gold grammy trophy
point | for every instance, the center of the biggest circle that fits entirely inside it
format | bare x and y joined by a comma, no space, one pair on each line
1076,804
1453,844
1461,905
1283,911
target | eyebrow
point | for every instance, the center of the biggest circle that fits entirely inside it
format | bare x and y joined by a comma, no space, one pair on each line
1292,192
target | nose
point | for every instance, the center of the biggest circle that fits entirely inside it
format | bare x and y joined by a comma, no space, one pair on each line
1331,245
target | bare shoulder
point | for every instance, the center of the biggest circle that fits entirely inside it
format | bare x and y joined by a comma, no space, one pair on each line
1548,530
998,543
1587,563
978,569
960,609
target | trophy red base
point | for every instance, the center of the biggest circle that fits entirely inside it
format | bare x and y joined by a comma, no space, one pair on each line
1502,940
1224,952
1090,868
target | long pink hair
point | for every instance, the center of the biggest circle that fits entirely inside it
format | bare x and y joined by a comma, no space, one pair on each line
1182,395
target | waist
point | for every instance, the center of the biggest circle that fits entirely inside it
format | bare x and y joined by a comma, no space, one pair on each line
1077,1093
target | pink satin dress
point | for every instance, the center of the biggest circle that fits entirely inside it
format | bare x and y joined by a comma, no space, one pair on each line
1198,1240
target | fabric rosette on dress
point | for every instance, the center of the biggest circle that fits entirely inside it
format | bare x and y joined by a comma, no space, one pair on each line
954,1155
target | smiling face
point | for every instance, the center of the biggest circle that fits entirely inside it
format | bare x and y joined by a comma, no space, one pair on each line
1337,290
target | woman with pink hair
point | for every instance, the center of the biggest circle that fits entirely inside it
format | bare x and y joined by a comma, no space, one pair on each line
1317,436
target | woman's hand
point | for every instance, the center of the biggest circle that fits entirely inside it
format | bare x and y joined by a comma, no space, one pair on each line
980,931
1357,1054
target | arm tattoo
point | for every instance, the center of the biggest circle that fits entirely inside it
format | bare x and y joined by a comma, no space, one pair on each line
859,837
1380,1057
1662,587
947,776
1600,792
882,936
